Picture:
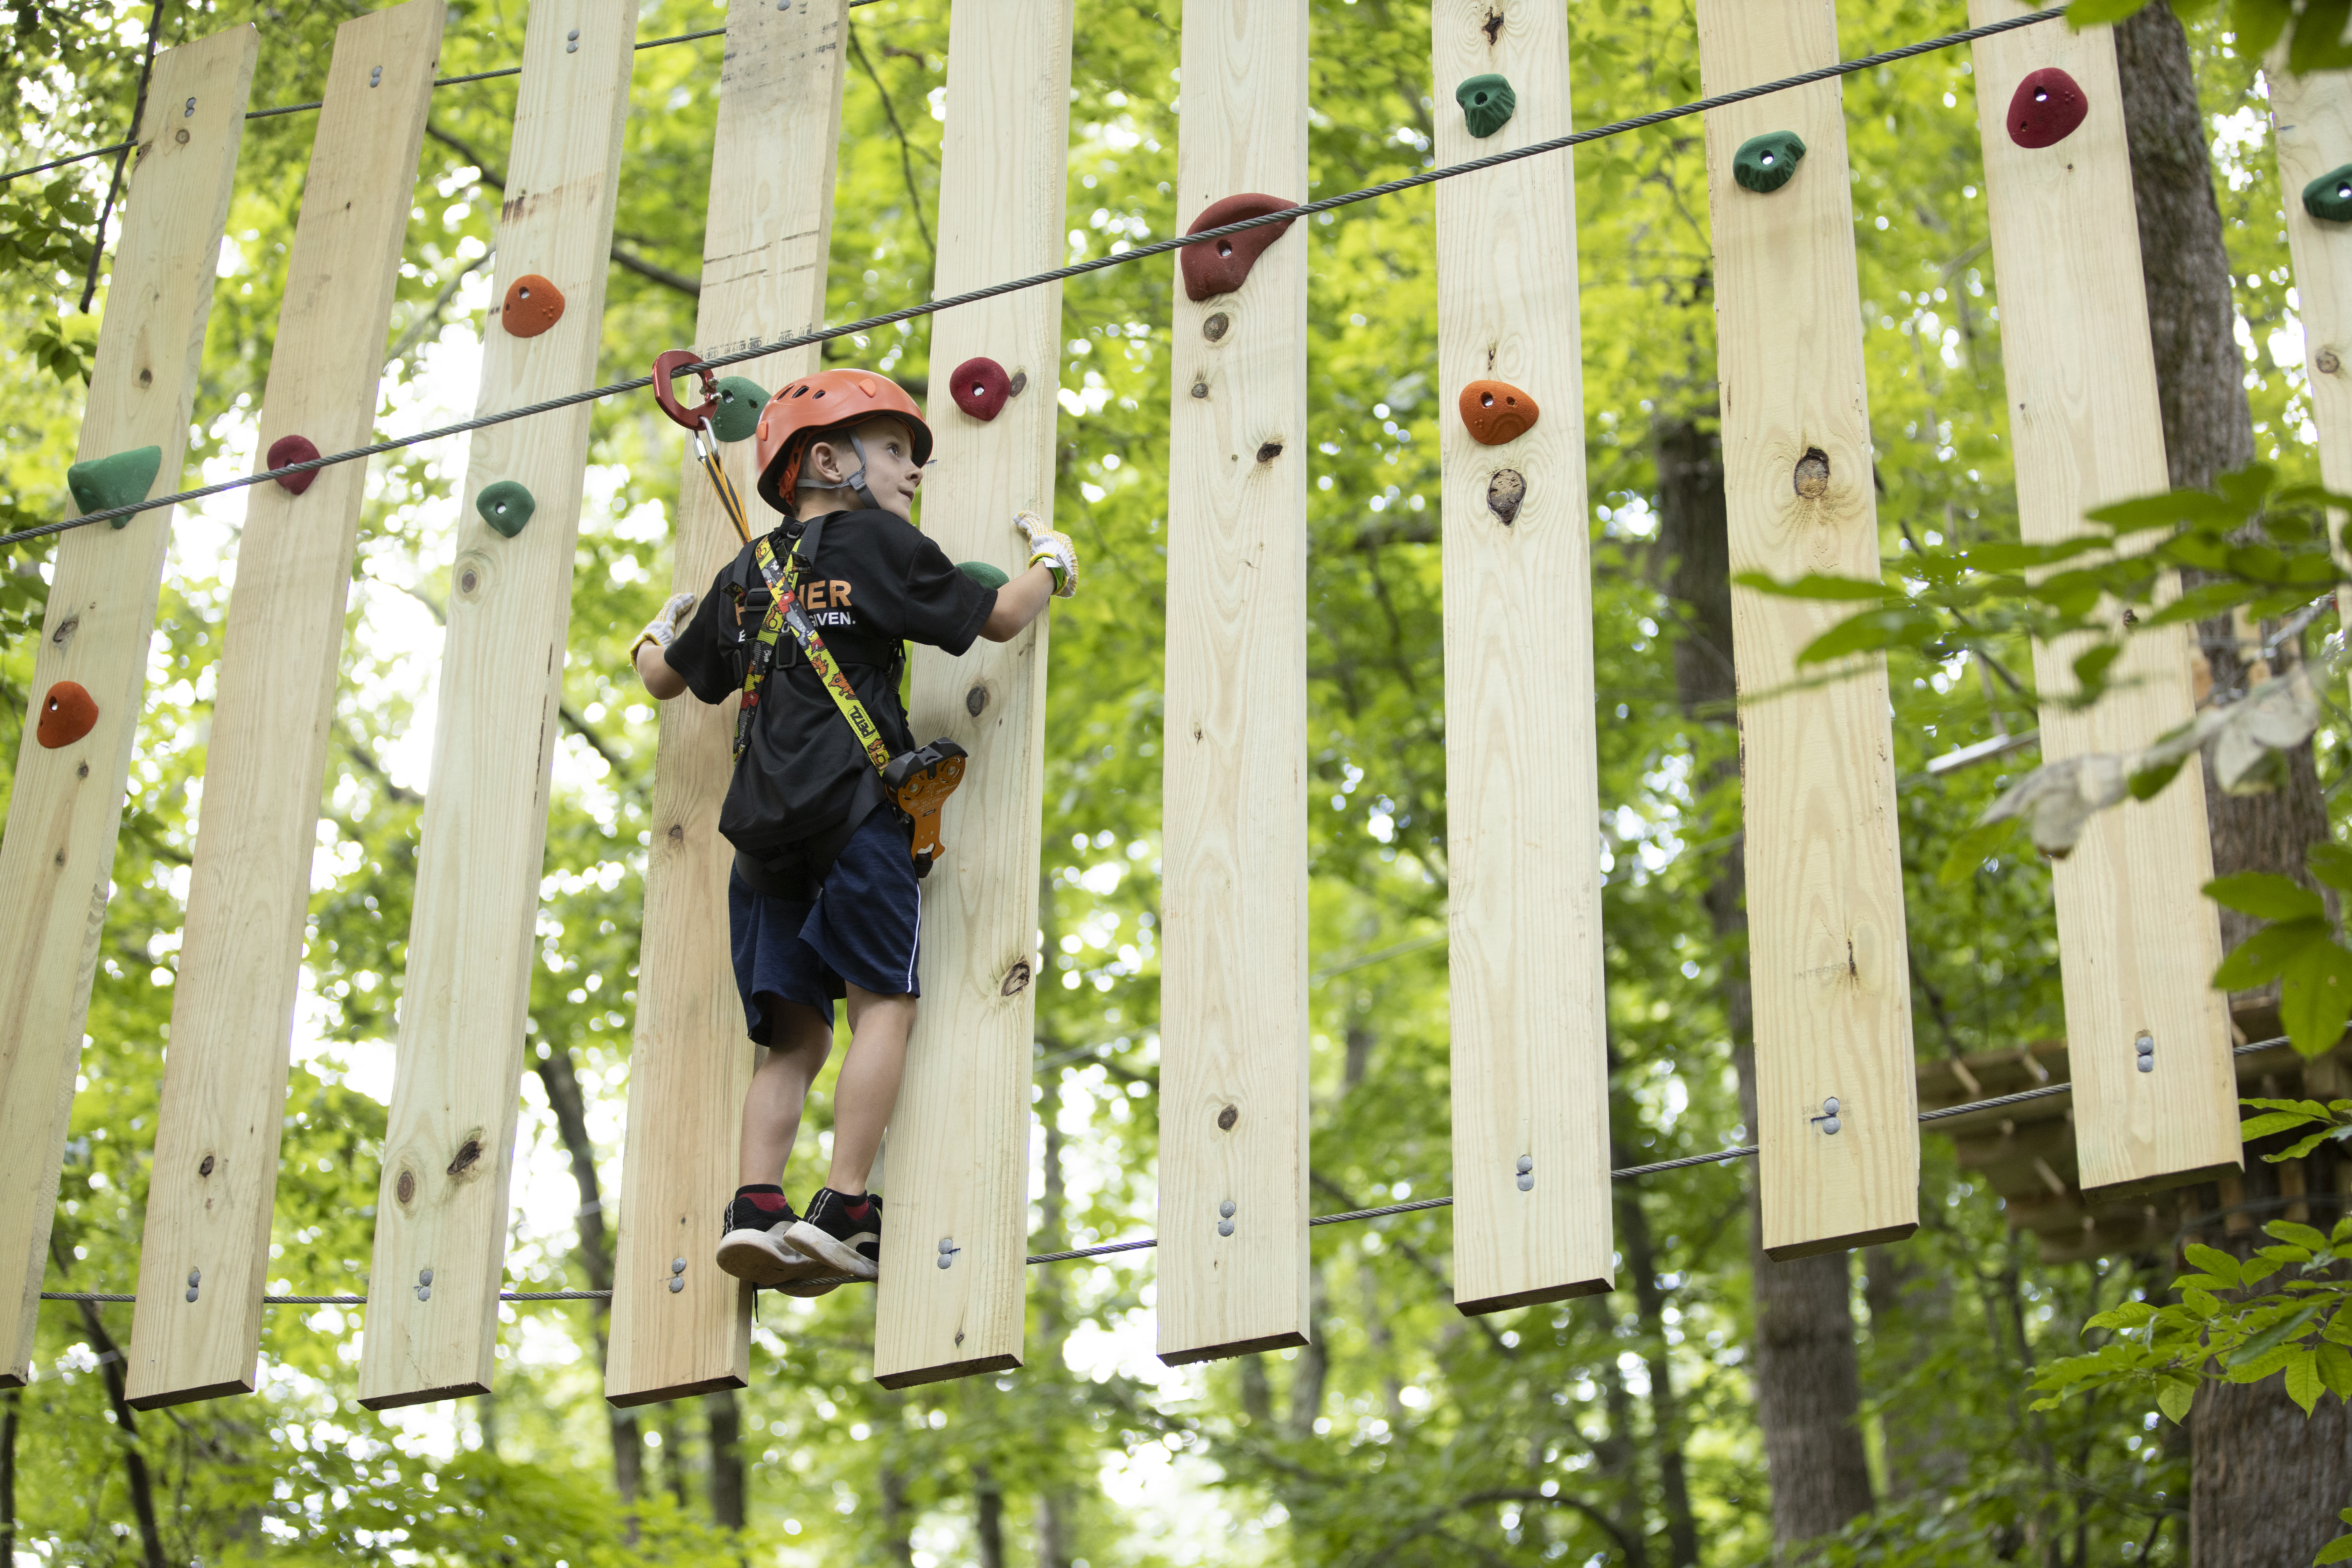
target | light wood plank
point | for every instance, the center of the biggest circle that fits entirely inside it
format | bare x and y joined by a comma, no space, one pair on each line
1234,902
763,271
960,1132
216,1135
1529,1025
2137,943
2311,127
449,1143
1826,952
65,806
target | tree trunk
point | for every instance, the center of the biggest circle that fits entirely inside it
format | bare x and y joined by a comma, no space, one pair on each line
1053,1524
1808,1385
1665,1405
1910,1314
2265,1481
8,1476
2207,428
140,1485
898,1519
728,1478
564,1097
988,1517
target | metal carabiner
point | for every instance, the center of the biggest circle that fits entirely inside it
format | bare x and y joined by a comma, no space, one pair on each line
667,367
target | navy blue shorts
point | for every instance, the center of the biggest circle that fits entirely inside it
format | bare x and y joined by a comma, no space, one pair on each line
864,927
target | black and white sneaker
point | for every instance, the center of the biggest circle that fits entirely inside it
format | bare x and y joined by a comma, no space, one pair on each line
754,1246
838,1236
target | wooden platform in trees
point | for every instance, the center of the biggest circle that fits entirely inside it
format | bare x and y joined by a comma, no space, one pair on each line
2026,1153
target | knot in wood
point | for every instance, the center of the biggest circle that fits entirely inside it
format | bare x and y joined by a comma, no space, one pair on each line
404,1189
1227,1117
207,1168
1269,452
1813,476
975,701
1505,492
1214,329
468,1152
2327,362
1016,980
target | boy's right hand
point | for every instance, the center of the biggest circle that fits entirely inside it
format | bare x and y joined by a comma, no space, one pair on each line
1059,555
663,628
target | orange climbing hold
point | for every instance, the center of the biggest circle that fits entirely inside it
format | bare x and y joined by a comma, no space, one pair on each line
67,715
532,305
1222,266
1497,412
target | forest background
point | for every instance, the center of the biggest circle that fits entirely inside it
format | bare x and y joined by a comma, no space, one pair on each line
1712,1408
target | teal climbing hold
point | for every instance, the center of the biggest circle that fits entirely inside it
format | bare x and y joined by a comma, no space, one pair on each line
982,573
738,414
1487,103
506,507
1764,164
2329,197
104,483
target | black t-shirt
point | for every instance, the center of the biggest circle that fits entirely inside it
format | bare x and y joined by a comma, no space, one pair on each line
876,584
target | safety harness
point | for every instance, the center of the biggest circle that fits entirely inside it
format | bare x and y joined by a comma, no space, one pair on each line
918,781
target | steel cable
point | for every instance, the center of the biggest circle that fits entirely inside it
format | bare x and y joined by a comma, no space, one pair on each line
1076,269
278,110
1346,1216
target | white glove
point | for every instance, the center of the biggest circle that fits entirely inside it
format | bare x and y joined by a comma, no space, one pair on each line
1053,549
663,628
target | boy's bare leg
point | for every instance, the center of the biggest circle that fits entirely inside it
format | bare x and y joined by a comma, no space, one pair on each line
800,1041
868,1087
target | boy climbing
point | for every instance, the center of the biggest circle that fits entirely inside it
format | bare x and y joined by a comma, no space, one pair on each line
809,623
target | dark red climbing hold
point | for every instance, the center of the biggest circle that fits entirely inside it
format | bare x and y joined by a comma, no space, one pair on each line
531,306
67,714
980,388
2048,108
1497,412
1220,267
293,449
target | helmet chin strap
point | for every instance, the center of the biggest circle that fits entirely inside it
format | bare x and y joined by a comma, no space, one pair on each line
855,484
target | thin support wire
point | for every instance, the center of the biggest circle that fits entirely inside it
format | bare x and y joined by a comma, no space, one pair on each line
1061,274
1107,1249
278,110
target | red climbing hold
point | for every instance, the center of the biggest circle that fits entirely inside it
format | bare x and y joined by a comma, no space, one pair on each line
980,388
532,305
1219,268
294,449
67,715
1497,412
2047,108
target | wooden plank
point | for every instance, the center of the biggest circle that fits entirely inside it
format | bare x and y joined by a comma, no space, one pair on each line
1529,1025
2137,943
449,1143
216,1132
1234,900
2311,126
65,806
960,1177
1826,952
763,271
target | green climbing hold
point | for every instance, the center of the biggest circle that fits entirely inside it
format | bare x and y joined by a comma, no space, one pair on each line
506,507
982,573
2329,197
103,483
738,414
1764,164
1487,103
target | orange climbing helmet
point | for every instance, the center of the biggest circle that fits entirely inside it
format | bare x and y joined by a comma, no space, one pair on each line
828,401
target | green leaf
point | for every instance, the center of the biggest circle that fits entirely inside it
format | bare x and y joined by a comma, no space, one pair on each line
2266,896
1974,848
2174,1396
2331,864
2316,997
2092,13
2269,1123
1817,585
2294,1235
2303,1380
2336,1551
2202,1302
2091,669
2258,960
2213,1262
2130,1315
2317,45
2336,1368
1872,631
2275,1337
2303,1148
